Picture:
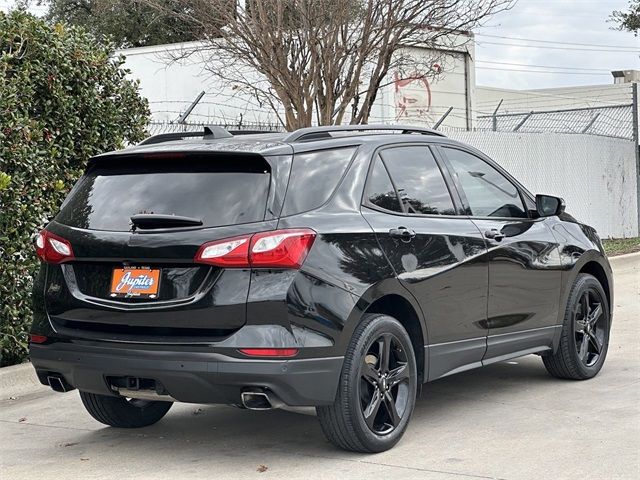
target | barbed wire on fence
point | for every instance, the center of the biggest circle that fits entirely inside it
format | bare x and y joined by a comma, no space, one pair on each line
159,127
609,121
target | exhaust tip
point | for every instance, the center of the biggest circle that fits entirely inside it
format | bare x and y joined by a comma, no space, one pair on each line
58,384
256,401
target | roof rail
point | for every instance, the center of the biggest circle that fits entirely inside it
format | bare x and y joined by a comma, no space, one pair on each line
211,132
320,133
169,137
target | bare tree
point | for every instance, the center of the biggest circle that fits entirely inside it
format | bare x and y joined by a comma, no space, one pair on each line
326,59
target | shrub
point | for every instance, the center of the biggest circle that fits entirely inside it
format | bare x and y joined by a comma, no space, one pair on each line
63,99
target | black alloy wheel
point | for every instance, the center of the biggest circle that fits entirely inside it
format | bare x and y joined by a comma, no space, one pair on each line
584,338
384,384
589,327
377,389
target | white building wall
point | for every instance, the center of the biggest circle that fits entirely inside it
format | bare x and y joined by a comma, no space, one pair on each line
516,101
171,86
595,175
424,101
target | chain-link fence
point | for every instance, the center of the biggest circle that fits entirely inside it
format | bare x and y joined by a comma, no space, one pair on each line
595,175
616,121
608,121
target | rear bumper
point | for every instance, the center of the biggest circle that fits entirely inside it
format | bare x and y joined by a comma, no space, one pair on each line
195,377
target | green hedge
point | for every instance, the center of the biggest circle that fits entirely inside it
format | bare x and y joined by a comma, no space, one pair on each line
63,98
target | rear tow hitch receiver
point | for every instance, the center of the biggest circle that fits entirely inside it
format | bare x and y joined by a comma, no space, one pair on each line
139,388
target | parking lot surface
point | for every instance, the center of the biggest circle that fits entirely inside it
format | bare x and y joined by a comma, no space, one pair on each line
506,421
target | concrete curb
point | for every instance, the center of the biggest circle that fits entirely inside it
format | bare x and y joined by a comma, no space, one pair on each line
624,260
18,380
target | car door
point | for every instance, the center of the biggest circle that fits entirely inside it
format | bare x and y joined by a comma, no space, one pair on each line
524,261
437,254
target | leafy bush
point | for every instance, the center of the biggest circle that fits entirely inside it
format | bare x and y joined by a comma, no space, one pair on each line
63,99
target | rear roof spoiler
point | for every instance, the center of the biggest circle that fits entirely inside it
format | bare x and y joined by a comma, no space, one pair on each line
211,132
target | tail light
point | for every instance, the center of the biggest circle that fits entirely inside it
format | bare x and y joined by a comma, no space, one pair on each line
33,338
276,249
231,252
282,248
53,249
269,352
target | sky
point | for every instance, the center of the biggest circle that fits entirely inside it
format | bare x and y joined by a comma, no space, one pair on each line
566,42
571,39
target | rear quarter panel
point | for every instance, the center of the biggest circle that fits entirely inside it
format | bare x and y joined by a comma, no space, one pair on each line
346,270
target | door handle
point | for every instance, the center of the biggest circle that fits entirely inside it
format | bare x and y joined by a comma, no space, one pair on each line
494,234
403,233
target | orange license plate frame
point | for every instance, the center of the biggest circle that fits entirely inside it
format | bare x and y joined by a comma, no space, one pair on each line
135,282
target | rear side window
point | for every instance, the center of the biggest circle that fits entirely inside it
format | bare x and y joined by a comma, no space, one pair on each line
418,180
488,192
217,191
380,191
314,177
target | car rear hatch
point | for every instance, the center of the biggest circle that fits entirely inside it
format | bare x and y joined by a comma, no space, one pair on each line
134,224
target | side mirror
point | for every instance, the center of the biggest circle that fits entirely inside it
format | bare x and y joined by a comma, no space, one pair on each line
549,206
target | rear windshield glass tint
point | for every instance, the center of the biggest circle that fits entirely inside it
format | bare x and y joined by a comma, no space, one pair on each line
217,191
314,177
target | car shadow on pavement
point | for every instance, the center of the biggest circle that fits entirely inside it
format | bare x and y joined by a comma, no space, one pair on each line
216,432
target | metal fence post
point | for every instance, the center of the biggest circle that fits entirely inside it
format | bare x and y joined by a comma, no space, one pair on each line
522,122
636,146
495,115
185,115
591,122
442,118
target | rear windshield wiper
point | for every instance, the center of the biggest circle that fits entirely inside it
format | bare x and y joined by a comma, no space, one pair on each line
155,220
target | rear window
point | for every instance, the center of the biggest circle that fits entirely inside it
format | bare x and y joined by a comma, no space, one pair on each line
314,177
217,191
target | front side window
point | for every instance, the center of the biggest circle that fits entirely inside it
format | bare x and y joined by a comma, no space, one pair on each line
418,180
488,192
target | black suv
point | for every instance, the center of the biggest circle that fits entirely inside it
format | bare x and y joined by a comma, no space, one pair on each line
335,267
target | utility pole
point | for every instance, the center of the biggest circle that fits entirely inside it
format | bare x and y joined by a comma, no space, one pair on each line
636,146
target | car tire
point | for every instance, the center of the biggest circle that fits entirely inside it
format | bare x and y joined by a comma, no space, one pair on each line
122,412
584,339
375,397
